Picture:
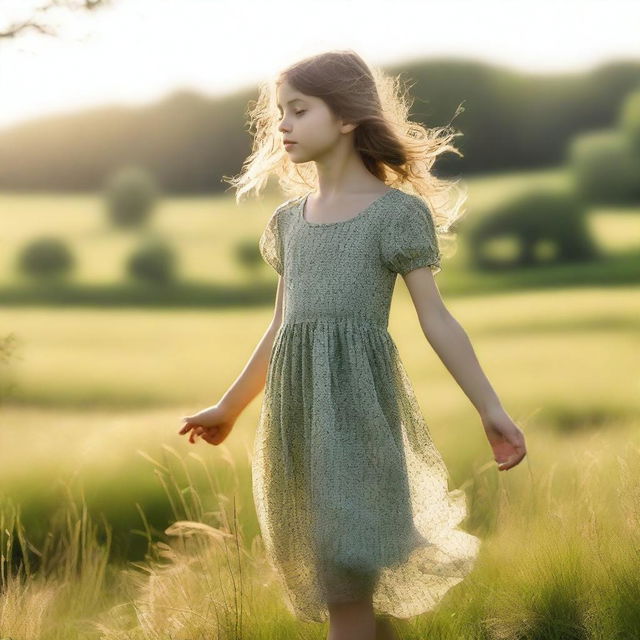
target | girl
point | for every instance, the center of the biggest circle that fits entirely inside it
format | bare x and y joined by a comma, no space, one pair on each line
350,491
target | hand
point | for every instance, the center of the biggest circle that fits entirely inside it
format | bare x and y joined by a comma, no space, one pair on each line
505,438
213,423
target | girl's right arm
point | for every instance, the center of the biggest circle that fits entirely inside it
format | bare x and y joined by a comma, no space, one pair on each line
214,423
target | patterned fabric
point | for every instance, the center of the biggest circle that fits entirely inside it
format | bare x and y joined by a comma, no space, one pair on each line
350,491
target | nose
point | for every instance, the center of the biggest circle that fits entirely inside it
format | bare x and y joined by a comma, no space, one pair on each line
282,127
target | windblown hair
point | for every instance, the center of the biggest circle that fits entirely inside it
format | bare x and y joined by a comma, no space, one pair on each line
396,150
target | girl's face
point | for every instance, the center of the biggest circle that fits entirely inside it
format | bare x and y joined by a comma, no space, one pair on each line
308,122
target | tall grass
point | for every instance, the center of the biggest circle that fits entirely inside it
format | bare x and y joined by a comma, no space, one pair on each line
559,560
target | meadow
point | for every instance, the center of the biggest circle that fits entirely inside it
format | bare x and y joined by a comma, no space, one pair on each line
132,532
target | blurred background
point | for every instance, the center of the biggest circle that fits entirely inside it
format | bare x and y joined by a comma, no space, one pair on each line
132,292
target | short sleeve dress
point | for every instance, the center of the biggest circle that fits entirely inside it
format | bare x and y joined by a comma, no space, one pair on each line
350,491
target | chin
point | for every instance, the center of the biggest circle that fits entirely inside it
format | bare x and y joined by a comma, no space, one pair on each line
297,160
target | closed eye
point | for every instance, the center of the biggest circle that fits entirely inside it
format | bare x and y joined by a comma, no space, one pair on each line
297,113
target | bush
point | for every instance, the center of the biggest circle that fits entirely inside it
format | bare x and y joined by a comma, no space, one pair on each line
630,119
153,262
45,257
605,167
131,195
535,220
247,253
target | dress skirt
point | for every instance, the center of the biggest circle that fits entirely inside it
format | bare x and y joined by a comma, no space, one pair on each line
350,491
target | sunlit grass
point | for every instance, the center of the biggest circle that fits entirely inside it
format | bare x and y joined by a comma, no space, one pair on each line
93,417
559,557
141,358
94,387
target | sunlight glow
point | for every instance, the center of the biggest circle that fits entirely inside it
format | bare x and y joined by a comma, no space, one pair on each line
137,51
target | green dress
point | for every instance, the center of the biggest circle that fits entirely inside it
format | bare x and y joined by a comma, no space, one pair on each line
350,491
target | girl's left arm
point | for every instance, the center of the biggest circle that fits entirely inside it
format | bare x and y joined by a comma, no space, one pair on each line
450,341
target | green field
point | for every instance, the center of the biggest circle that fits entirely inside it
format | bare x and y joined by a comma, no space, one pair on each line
92,419
205,230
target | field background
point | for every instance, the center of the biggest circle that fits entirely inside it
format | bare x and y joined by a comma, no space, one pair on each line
96,394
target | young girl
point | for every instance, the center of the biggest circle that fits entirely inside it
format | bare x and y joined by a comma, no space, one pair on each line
350,491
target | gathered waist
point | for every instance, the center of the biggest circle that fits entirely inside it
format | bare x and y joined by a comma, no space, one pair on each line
325,320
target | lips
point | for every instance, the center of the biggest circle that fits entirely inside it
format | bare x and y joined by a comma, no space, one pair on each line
289,142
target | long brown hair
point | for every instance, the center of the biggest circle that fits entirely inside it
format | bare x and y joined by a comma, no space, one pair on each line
396,150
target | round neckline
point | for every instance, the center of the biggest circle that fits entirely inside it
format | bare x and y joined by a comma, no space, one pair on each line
366,210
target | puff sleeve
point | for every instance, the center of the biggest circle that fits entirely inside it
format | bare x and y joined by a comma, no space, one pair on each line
270,244
409,240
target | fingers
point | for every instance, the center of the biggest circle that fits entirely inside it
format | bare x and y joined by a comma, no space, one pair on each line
511,461
197,430
185,428
519,451
189,424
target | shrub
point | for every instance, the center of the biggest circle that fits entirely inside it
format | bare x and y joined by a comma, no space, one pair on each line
535,219
630,119
154,261
247,253
605,167
45,257
131,195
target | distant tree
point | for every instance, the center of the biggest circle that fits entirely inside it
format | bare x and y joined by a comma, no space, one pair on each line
45,257
37,23
131,195
605,167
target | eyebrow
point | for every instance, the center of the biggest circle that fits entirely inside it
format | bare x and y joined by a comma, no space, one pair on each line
293,100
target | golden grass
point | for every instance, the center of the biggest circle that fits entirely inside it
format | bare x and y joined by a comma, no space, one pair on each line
98,399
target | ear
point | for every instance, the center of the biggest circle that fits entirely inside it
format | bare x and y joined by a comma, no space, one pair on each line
348,128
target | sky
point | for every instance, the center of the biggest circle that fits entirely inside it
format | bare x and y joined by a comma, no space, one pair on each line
136,52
